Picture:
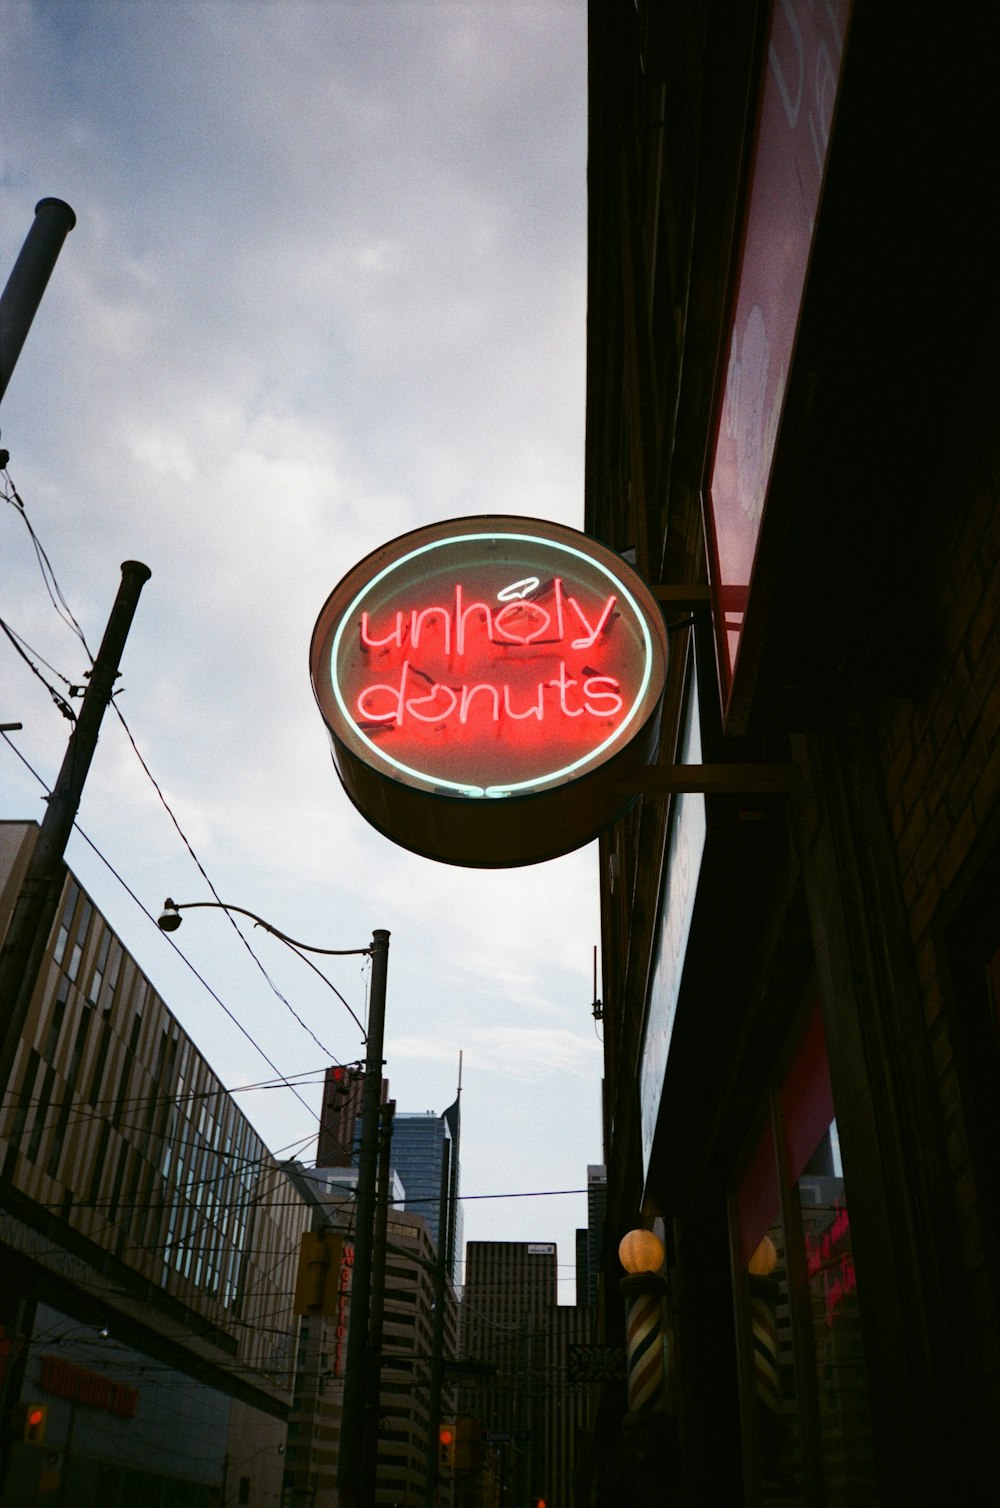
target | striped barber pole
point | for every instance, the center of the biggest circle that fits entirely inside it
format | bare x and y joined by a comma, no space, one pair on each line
644,1343
765,1342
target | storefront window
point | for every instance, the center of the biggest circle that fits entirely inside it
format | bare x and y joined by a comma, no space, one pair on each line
805,1397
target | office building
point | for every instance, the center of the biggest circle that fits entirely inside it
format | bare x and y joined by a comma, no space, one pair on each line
406,1350
148,1242
597,1206
530,1415
420,1143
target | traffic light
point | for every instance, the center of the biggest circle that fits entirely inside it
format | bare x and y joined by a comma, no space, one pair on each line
33,1432
446,1446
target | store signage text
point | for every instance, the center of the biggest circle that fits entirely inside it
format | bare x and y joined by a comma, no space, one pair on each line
66,1380
478,632
488,659
343,1302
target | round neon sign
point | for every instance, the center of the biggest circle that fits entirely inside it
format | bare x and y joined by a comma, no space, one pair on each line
485,682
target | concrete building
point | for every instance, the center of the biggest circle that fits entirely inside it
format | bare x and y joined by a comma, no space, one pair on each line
529,1414
148,1242
792,428
403,1448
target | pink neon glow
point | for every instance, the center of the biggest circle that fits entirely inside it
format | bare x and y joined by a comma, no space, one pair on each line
522,622
832,1270
483,673
385,702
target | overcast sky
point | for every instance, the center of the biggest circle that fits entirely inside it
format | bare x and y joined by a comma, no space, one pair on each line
327,284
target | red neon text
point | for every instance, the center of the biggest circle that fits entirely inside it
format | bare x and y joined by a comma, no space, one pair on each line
596,696
516,623
833,1271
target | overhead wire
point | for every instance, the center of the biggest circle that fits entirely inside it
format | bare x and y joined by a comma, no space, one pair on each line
22,647
65,613
180,953
58,599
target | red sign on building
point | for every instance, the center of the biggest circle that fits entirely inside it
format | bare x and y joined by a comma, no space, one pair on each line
486,682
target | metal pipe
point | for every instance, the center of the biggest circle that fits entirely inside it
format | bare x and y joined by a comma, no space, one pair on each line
31,272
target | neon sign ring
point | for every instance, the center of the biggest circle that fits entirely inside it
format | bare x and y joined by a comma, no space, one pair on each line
486,682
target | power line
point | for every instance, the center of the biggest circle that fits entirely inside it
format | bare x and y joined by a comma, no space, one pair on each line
63,610
146,912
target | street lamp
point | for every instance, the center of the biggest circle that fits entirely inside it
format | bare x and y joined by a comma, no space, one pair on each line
353,1419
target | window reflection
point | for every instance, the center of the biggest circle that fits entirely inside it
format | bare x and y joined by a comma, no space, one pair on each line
806,1418
842,1404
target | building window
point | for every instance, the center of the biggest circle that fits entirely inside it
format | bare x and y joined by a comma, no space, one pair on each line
62,933
244,1490
805,1407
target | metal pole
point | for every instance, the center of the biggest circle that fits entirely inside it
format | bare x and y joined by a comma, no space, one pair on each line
355,1370
26,284
35,907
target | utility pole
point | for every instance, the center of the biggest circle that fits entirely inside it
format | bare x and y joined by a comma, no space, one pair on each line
29,275
352,1427
35,907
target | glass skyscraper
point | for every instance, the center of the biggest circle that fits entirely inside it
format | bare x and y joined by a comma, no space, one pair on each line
420,1143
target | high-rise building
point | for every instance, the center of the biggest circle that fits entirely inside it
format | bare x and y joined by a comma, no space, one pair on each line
420,1143
582,1264
406,1346
417,1154
529,1415
597,1204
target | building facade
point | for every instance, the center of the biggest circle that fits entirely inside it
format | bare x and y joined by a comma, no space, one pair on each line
405,1361
420,1144
147,1241
597,1210
527,1412
792,427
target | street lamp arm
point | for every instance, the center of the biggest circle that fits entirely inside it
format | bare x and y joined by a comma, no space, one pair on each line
168,923
169,920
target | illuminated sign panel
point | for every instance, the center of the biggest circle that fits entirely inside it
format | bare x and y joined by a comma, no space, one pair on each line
486,663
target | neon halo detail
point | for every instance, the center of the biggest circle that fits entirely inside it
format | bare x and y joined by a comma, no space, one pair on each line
485,682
